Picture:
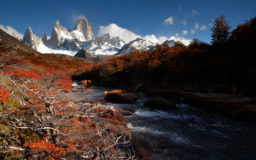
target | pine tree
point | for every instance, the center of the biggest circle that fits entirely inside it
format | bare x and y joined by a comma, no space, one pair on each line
220,31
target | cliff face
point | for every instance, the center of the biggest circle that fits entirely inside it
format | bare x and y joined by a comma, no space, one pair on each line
44,38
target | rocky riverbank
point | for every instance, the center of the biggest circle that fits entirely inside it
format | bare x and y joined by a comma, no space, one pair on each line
238,107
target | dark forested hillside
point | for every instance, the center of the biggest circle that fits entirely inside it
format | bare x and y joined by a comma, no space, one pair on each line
226,68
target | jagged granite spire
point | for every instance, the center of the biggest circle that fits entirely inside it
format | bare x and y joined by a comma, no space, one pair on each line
84,27
115,41
30,39
55,41
27,38
44,38
57,24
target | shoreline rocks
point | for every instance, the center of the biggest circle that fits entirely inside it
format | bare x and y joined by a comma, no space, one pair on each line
120,96
238,107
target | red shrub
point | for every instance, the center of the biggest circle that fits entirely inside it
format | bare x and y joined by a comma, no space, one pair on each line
15,60
65,84
21,73
4,93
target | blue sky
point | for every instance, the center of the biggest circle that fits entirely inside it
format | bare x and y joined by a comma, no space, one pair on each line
140,16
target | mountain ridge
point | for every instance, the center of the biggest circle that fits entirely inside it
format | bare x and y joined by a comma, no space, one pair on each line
111,40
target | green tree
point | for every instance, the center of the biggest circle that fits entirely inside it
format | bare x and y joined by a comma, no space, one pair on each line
220,31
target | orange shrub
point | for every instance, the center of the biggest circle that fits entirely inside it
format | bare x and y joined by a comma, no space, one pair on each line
43,145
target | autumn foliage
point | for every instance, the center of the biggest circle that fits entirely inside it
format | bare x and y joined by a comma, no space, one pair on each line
4,93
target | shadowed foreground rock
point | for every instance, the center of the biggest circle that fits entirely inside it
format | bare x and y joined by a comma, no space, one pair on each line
160,103
247,113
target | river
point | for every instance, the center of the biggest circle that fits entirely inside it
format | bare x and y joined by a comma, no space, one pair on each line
188,133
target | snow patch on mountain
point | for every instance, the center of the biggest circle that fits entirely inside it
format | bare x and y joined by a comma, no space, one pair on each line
115,31
153,38
104,50
44,49
11,31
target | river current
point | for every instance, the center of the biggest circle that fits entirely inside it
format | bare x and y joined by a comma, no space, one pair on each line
187,133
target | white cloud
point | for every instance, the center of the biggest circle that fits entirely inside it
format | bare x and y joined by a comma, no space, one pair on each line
184,22
192,31
194,12
196,26
169,20
203,27
184,32
115,31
